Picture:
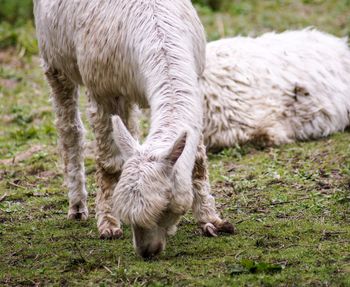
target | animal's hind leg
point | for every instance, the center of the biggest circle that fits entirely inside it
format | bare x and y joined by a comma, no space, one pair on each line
203,203
71,140
109,163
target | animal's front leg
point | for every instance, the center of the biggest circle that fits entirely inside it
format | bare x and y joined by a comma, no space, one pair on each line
203,203
71,140
109,162
108,225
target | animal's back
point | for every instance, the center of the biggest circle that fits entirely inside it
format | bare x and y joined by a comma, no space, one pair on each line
277,87
91,41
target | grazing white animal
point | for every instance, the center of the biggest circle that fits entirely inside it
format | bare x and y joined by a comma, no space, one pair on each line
127,53
275,89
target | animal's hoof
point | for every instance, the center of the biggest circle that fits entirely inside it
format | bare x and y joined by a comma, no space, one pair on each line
226,227
171,230
209,230
212,230
78,215
111,233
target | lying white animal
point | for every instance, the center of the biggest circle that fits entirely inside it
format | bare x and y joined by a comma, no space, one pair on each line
275,89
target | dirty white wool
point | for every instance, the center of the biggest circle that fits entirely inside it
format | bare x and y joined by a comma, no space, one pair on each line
276,88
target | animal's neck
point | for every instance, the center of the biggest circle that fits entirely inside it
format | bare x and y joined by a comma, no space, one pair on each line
171,115
172,92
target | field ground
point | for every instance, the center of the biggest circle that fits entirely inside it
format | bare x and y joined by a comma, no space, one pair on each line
290,205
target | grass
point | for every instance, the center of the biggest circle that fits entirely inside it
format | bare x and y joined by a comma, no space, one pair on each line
290,204
254,17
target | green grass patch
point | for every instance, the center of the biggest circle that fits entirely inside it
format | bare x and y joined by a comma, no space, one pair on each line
290,205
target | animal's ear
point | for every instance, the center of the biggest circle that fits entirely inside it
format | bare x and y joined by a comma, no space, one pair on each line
126,144
176,150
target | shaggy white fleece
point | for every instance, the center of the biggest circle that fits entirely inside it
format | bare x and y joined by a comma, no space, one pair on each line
275,89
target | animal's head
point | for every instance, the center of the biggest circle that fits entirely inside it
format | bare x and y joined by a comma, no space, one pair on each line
143,196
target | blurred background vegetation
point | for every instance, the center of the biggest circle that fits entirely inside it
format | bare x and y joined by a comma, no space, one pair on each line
221,18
